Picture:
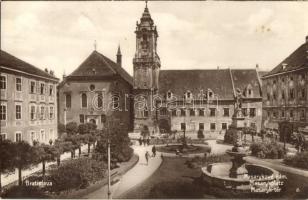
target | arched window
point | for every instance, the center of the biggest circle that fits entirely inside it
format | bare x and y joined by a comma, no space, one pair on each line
84,100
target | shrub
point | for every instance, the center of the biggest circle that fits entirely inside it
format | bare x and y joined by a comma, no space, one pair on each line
76,174
299,160
200,134
271,150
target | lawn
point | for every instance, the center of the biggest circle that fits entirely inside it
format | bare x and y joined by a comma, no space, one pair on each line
174,179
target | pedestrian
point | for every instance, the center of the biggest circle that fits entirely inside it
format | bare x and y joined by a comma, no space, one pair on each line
148,141
147,155
154,151
144,141
140,141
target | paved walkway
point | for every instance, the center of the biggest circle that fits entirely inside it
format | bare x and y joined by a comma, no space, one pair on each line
135,176
218,148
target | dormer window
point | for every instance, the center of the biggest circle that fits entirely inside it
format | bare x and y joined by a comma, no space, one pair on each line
169,95
284,65
211,94
188,95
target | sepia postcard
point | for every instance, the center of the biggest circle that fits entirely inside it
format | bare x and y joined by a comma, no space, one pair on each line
154,100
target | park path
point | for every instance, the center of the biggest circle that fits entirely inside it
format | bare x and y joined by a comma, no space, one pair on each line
135,176
218,148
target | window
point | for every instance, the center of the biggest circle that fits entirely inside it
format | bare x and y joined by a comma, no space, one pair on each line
50,90
274,95
212,112
42,112
43,135
32,112
183,126
18,137
252,112
173,112
282,94
291,113
3,112
32,87
169,95
81,118
103,118
32,135
146,112
268,96
201,112
68,100
51,136
302,114
244,110
115,102
18,111
18,84
274,114
201,126
282,113
2,136
213,126
253,125
292,93
51,112
3,82
192,112
302,93
183,113
188,95
99,99
92,87
226,112
210,94
42,88
84,100
224,126
249,92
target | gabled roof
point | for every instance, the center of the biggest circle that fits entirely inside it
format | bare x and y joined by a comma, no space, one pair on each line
98,65
181,81
222,82
297,60
11,62
242,78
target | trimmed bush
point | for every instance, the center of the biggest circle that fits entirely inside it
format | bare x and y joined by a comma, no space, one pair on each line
200,134
76,174
299,160
230,136
271,150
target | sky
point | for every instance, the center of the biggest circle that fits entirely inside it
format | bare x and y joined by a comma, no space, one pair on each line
192,35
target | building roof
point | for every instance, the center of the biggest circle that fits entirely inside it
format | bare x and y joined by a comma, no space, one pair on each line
218,80
12,63
98,65
297,60
244,78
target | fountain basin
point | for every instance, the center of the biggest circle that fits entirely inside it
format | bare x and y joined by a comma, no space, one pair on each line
217,174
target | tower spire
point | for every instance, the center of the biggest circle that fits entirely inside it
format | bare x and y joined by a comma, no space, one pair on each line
95,45
119,56
146,3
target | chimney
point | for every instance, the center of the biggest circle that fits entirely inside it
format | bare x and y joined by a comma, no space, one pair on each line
257,66
51,72
119,57
46,70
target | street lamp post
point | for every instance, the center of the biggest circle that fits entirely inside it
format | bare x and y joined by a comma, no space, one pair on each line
108,154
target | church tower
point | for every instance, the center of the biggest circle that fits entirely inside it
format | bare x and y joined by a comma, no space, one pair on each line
146,71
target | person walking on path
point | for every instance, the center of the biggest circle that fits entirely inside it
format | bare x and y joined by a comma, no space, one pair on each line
140,141
147,155
154,151
148,141
144,141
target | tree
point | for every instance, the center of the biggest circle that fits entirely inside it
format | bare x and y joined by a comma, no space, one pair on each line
72,128
89,132
6,158
45,153
24,156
